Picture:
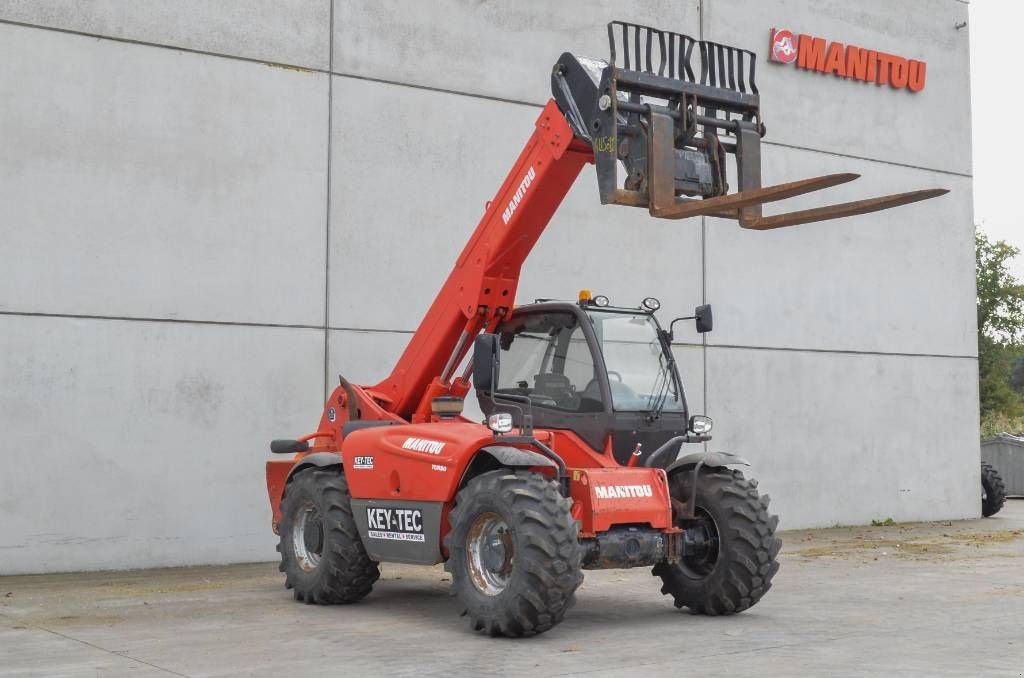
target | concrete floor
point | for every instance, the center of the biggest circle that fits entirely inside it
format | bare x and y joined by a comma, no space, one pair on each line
924,599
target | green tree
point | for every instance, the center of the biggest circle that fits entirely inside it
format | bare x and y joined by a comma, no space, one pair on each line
1000,326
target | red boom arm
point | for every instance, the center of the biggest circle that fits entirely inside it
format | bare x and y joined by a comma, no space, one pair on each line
481,289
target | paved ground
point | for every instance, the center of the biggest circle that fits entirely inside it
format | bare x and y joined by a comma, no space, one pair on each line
926,599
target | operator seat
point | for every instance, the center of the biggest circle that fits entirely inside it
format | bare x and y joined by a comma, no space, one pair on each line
558,388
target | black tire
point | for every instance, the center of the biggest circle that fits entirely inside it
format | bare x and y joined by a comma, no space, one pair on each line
317,509
740,561
993,490
514,555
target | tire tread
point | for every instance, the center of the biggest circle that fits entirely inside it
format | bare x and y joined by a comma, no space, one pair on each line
747,562
995,489
346,573
549,554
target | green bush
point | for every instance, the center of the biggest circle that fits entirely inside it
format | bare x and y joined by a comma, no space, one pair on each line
1000,338
994,423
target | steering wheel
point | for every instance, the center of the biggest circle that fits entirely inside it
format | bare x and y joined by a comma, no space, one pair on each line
619,390
613,373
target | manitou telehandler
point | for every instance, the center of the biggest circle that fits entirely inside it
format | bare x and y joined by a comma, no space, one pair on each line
580,462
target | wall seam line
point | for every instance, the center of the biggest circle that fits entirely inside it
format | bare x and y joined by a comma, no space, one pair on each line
327,210
153,319
703,269
161,45
842,351
329,72
381,330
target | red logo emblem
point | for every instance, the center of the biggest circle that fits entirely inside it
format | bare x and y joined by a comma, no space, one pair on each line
783,46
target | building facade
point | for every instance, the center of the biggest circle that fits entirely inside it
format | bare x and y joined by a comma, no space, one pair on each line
210,210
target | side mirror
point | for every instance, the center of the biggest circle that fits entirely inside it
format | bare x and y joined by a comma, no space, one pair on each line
486,360
705,321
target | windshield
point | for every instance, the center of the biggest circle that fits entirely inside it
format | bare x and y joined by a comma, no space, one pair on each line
639,373
545,357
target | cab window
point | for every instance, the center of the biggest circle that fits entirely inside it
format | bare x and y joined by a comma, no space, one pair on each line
545,356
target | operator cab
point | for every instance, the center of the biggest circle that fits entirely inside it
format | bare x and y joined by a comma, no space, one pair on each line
594,369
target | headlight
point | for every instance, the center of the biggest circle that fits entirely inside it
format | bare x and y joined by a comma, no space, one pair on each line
700,424
651,304
500,422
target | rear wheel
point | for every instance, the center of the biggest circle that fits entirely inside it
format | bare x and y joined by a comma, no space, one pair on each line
321,554
513,551
993,490
736,560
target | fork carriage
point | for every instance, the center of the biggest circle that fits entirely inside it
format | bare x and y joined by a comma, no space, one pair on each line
670,108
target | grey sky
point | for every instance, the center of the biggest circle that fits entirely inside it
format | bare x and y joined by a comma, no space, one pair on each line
996,101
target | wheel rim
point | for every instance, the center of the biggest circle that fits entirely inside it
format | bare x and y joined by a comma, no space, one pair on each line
490,551
984,491
308,537
700,566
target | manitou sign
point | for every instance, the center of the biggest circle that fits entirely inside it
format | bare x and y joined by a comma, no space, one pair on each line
846,61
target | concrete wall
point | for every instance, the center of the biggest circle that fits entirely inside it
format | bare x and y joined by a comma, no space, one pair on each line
208,210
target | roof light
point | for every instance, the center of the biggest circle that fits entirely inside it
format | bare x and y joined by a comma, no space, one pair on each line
585,296
651,304
600,300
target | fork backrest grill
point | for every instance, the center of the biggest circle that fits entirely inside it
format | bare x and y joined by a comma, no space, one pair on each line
645,49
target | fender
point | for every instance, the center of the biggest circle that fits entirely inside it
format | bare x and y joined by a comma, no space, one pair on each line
318,459
503,455
514,456
280,472
711,459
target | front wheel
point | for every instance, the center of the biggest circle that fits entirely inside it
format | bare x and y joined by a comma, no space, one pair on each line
321,554
993,490
513,552
734,567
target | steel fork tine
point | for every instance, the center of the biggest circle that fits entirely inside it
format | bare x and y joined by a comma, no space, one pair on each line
846,209
683,209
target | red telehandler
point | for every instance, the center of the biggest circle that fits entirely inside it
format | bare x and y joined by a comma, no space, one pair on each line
580,463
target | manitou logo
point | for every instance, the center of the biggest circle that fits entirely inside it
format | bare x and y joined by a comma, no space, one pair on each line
513,204
423,445
846,61
622,491
783,47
